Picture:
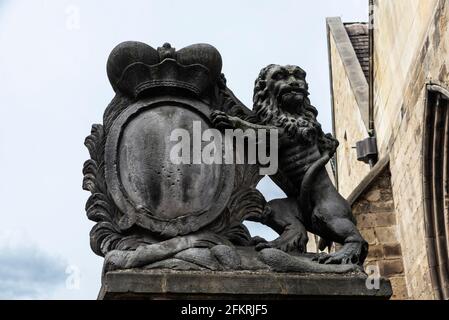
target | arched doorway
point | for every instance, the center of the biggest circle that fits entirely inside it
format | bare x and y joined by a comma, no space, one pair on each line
436,187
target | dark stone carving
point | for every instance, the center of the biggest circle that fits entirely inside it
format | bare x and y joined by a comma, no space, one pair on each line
157,195
313,204
151,213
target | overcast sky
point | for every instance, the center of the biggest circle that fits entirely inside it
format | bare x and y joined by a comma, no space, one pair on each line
53,86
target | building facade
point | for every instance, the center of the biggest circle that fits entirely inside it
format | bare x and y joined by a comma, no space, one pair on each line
390,97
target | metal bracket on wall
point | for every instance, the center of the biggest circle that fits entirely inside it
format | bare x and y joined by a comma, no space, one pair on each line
367,151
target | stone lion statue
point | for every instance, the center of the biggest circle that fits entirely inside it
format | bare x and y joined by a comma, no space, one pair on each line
281,102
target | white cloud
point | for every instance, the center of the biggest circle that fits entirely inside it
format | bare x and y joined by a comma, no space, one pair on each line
28,272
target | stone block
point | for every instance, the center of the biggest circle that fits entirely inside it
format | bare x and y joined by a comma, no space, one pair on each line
371,220
369,235
392,250
375,253
399,288
390,268
385,219
373,196
386,234
166,284
381,206
366,220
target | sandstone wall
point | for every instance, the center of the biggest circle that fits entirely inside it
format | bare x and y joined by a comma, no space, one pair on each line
411,50
376,219
349,126
400,27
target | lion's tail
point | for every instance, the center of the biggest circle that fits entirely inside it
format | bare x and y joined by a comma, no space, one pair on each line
307,183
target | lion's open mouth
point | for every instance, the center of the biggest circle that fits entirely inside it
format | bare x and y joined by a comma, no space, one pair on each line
293,91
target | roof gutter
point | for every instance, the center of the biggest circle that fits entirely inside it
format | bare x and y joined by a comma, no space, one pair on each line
335,158
371,129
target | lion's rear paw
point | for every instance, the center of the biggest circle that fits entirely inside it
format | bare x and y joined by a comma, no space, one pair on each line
351,253
292,240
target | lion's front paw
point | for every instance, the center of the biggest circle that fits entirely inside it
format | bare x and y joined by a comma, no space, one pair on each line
221,120
118,259
351,253
291,240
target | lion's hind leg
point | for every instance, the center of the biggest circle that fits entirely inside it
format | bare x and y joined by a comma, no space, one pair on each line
340,230
283,216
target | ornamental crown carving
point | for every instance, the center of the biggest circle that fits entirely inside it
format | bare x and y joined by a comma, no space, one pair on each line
135,67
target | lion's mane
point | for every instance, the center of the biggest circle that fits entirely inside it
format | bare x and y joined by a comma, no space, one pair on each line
268,111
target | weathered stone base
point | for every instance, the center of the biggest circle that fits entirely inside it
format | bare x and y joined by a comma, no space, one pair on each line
185,285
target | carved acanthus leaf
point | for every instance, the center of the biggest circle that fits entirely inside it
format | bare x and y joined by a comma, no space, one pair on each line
99,207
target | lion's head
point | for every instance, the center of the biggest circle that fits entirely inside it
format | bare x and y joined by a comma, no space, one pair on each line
281,97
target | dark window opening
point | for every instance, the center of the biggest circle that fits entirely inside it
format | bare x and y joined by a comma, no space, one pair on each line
436,187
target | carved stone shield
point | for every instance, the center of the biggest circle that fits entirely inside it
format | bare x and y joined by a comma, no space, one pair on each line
149,189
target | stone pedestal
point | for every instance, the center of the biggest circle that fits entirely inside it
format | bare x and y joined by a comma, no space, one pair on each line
185,285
